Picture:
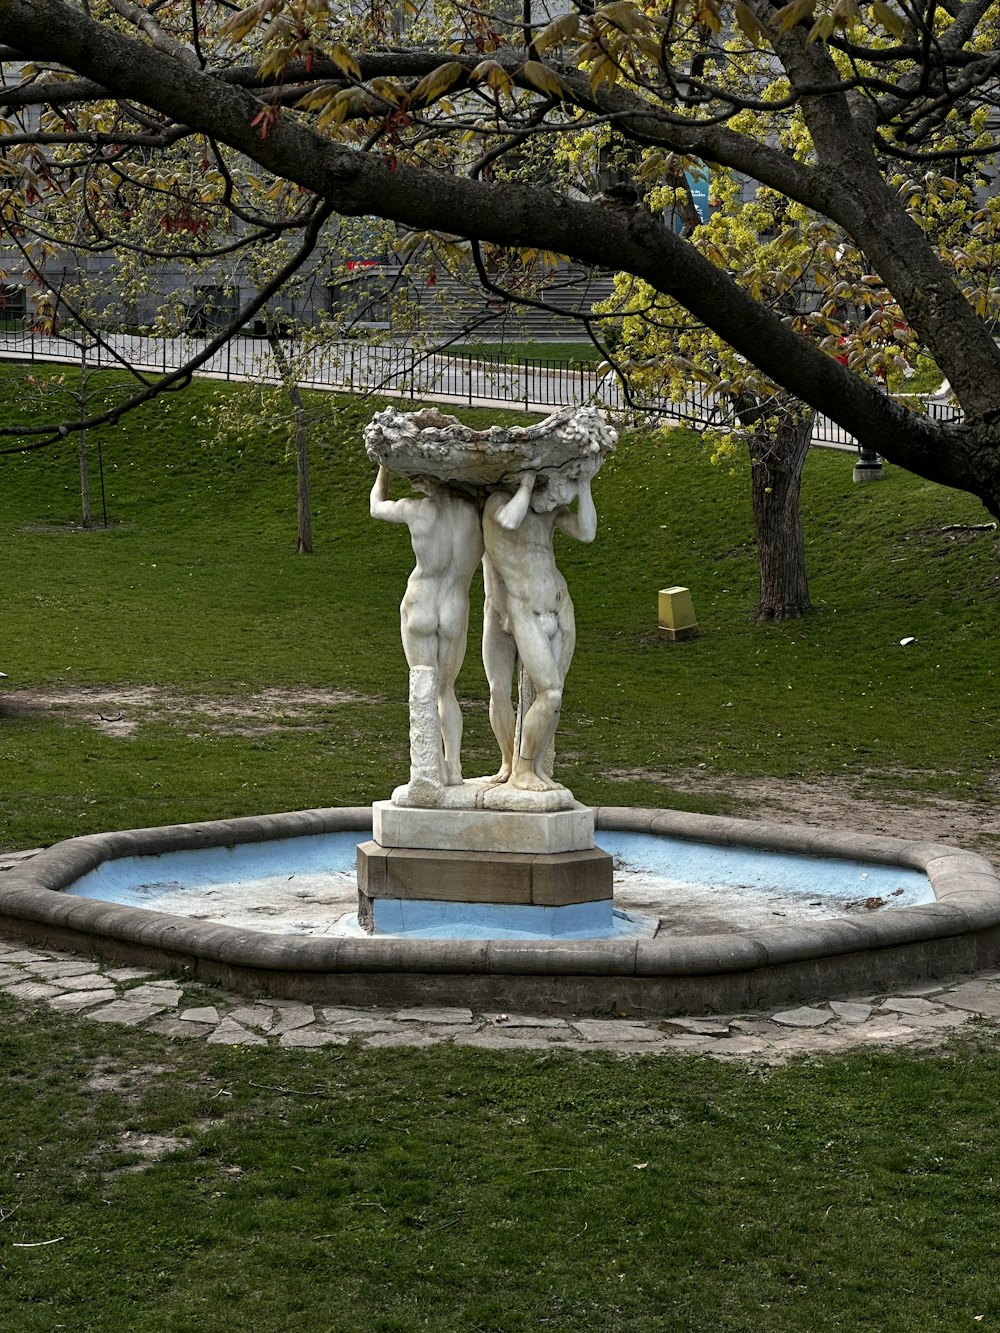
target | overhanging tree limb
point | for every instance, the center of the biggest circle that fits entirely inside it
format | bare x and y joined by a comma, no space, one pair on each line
355,183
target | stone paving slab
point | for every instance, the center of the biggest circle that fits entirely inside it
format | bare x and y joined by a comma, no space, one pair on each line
291,1016
411,1037
494,1039
125,1011
529,1021
156,993
88,981
434,1015
174,1027
905,1004
255,1016
61,967
74,1001
805,1017
312,1037
926,989
975,996
203,1014
85,991
231,1033
336,1013
31,990
362,1027
942,1019
614,1030
14,975
700,1027
850,1012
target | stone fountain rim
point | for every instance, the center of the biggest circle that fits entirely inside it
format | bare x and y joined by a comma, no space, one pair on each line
966,888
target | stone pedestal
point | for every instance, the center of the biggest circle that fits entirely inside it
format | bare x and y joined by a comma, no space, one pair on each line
477,872
483,830
868,467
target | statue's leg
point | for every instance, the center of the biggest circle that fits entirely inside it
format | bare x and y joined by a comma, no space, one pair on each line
563,647
450,714
544,762
451,654
539,722
499,655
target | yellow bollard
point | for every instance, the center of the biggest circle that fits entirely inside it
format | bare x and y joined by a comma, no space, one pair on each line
676,615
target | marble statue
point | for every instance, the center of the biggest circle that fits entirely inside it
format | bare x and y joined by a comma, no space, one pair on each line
529,612
498,496
447,544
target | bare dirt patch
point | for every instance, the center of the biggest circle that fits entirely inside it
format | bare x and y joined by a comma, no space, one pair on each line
149,1148
113,1078
843,803
822,802
121,710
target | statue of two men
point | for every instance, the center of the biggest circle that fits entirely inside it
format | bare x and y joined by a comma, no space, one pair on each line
528,615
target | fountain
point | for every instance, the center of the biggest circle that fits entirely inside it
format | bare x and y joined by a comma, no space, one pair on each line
494,891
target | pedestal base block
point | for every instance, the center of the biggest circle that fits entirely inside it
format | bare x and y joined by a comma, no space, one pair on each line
409,888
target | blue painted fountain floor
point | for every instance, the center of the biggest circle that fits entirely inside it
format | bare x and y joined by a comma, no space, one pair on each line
307,886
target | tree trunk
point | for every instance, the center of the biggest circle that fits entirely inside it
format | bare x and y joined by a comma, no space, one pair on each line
305,540
88,517
303,505
777,456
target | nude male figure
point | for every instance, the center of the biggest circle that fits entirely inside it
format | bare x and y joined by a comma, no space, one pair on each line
434,614
529,612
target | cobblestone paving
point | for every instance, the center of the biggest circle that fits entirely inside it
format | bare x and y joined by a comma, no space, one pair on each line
137,997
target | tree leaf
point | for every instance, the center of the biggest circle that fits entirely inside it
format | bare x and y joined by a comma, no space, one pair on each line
318,97
345,62
337,110
557,32
889,19
625,16
238,25
791,14
821,29
495,75
603,71
543,79
746,21
438,82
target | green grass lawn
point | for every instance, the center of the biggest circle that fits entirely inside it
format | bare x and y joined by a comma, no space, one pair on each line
348,1190
454,1189
195,589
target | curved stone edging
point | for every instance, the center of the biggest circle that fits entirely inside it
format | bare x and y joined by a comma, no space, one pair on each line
960,931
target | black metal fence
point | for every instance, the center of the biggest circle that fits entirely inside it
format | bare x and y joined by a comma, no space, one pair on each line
396,369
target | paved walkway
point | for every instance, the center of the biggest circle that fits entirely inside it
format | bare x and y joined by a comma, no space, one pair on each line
917,1016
